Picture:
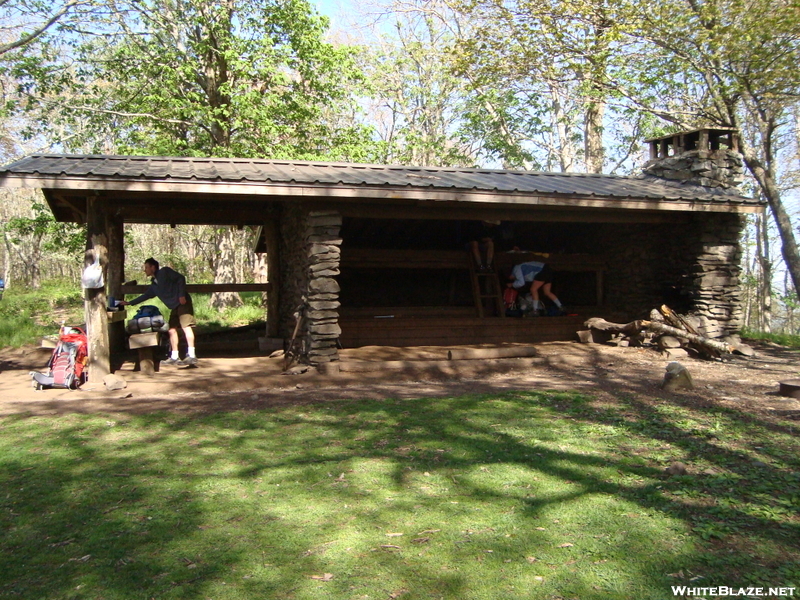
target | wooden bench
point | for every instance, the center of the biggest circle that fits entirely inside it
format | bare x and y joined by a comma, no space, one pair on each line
144,343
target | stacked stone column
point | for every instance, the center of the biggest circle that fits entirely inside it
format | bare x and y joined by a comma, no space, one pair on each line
323,252
721,169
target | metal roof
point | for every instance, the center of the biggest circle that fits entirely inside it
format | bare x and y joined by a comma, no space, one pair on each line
54,168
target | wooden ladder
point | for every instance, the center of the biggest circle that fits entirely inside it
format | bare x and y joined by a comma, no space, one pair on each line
486,286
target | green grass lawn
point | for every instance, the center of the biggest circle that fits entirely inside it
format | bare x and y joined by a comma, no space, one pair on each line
516,495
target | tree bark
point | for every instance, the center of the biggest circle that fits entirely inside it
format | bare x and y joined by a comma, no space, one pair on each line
564,146
765,281
632,328
765,177
224,271
594,136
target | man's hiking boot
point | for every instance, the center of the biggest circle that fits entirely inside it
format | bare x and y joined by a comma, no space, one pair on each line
171,362
189,361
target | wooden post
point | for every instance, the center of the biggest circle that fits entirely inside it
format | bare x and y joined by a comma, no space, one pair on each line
702,142
95,300
116,276
271,234
116,256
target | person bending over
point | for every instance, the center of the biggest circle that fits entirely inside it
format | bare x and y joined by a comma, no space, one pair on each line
169,286
540,277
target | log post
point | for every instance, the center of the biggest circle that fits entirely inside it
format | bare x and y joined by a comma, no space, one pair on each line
116,276
271,238
116,256
95,300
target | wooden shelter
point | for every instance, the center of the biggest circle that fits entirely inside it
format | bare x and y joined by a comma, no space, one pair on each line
376,254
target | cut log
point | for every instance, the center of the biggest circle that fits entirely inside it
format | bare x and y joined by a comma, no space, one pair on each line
674,319
633,328
710,346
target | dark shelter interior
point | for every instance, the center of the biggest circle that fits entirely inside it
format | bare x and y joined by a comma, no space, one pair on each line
399,286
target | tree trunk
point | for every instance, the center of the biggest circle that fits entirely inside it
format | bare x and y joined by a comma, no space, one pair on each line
225,271
765,264
564,147
593,120
7,260
765,177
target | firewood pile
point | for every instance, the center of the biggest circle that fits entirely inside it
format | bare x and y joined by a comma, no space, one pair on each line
672,334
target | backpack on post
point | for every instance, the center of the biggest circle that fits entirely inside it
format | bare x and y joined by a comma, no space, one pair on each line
68,362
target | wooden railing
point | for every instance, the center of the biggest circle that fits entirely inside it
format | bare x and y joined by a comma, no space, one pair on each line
207,288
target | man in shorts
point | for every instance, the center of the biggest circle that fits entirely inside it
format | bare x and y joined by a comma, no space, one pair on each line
537,275
169,286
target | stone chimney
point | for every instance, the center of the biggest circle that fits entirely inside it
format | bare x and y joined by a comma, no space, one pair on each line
707,157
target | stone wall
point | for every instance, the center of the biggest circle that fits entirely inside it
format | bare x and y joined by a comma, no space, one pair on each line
310,251
323,252
721,169
693,268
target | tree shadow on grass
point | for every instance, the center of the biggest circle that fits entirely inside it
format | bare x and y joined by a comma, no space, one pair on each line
178,506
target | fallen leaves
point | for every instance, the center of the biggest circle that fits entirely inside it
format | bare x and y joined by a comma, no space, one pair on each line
566,545
323,577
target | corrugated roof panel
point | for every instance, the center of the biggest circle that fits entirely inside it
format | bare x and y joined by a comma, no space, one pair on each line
157,169
359,175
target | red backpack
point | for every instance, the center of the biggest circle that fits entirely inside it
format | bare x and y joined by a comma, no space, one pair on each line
68,362
510,298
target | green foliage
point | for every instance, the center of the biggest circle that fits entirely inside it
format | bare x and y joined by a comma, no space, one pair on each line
212,319
424,101
784,339
203,78
514,495
54,236
27,314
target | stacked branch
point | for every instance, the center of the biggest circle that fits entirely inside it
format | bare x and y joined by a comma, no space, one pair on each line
663,323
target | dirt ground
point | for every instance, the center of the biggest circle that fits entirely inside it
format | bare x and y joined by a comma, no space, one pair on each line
750,384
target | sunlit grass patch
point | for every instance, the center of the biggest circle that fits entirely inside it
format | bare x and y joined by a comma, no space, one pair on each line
529,494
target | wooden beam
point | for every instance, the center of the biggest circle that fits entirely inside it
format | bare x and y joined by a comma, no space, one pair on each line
206,288
454,211
332,193
95,299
